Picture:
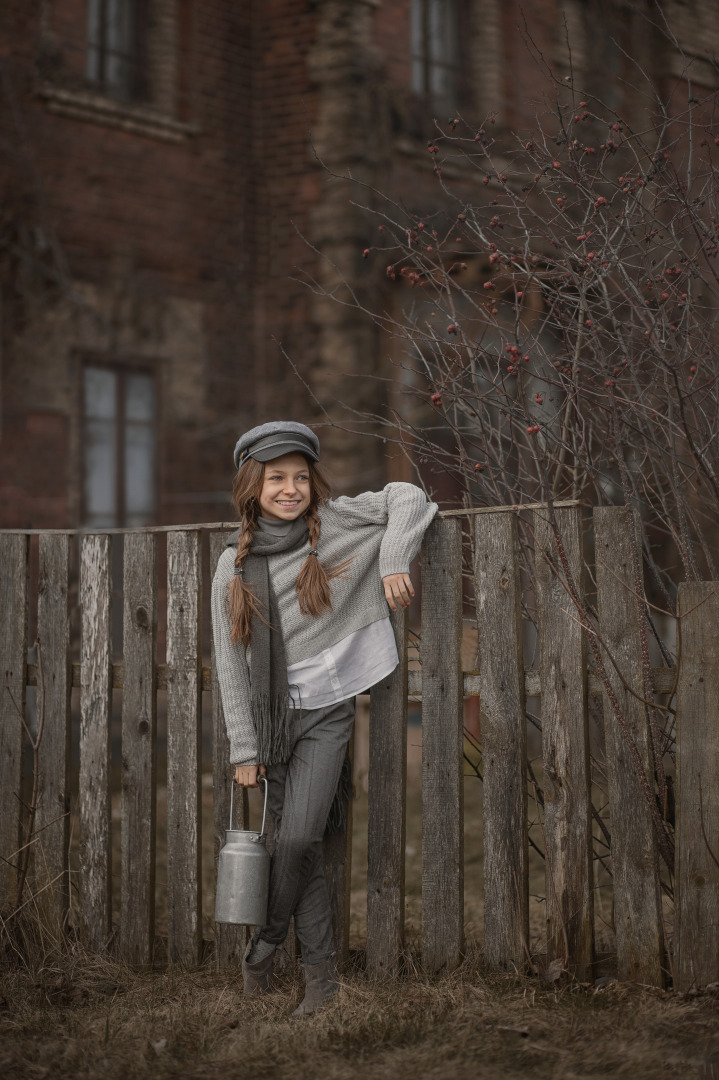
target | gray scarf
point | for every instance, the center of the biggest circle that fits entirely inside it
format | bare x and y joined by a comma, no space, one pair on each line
268,665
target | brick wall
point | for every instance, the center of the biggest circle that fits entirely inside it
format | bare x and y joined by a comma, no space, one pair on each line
171,232
137,248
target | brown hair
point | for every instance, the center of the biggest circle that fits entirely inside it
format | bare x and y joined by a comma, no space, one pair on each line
313,580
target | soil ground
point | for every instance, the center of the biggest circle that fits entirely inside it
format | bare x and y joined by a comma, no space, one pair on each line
69,1015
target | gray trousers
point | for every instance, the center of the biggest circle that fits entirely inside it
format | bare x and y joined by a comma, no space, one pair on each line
299,797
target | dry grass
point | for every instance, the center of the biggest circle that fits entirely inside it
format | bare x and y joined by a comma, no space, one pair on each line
75,1015
80,1016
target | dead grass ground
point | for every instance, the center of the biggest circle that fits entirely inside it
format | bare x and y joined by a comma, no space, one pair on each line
71,1015
83,1017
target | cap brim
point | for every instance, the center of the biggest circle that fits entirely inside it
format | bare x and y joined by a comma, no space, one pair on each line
269,453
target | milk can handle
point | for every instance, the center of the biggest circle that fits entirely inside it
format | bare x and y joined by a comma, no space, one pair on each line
264,806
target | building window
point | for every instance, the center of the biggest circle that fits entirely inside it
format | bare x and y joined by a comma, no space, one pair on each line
119,446
116,59
434,49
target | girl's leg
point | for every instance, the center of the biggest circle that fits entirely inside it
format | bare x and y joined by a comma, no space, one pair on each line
300,796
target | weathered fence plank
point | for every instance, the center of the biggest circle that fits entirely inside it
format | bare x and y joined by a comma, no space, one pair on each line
386,813
230,941
663,679
697,802
13,656
637,915
53,698
95,704
442,742
184,897
565,745
504,740
139,748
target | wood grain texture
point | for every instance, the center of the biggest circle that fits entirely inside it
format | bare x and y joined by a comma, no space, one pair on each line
337,854
139,748
386,813
230,941
184,647
565,746
95,704
663,680
13,656
697,875
442,742
51,849
504,740
637,917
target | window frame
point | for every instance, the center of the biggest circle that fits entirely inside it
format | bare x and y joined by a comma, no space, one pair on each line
134,88
428,64
121,369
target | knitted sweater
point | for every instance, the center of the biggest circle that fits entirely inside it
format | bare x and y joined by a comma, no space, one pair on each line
381,531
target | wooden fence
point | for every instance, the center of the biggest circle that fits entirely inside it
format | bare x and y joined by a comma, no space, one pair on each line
560,678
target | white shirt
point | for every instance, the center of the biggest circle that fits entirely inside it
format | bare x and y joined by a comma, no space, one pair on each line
349,667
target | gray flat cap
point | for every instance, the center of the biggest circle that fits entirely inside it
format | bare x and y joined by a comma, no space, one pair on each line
269,441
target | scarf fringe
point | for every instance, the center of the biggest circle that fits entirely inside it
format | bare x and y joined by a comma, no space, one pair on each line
270,716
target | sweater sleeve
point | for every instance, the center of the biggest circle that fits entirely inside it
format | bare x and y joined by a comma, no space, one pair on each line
232,671
406,513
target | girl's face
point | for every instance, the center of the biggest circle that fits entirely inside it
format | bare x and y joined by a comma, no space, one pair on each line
286,488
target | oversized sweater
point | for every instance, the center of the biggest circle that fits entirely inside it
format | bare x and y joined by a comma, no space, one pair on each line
381,532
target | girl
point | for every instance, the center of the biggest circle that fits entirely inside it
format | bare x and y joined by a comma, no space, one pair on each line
292,651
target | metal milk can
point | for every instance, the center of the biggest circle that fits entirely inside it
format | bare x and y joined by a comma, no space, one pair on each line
243,874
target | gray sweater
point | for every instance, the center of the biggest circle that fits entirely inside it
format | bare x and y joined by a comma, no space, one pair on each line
381,531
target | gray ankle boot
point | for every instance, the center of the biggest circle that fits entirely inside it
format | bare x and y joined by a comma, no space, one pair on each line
321,984
258,978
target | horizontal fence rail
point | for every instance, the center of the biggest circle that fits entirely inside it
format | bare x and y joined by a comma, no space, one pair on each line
36,590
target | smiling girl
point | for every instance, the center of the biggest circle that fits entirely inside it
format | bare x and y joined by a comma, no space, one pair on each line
300,612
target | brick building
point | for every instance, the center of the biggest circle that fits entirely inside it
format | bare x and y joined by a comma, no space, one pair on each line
166,166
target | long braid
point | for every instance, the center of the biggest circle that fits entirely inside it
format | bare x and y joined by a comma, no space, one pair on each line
242,603
313,585
313,580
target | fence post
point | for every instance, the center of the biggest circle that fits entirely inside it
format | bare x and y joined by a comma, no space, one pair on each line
13,659
504,740
230,941
53,697
386,813
565,745
442,744
139,748
95,704
184,688
697,797
635,869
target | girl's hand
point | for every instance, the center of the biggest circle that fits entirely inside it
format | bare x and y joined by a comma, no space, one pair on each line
247,774
398,590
